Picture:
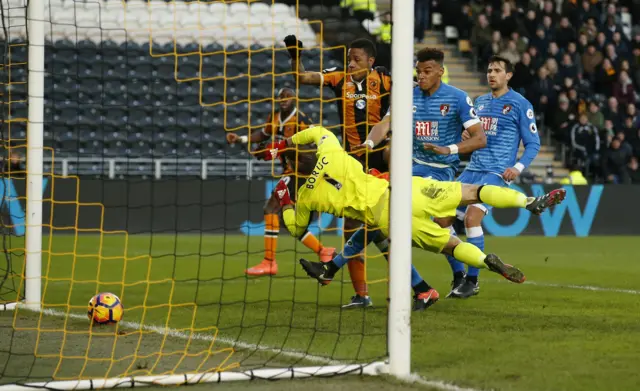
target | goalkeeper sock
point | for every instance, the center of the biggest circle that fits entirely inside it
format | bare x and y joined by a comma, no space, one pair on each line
501,197
475,236
456,266
469,254
271,230
311,242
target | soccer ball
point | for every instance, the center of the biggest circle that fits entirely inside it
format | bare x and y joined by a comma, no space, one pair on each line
105,308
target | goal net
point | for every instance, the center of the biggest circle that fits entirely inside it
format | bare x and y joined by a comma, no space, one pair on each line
117,113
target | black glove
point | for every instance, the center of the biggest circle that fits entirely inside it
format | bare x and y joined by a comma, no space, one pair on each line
293,44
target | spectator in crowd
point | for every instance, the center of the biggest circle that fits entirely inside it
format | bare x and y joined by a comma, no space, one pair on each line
549,11
521,44
605,77
554,51
523,74
632,112
628,129
481,35
464,22
601,41
633,171
610,53
619,45
615,163
547,26
595,116
611,27
536,61
552,66
587,12
531,23
591,60
542,91
612,112
563,120
585,143
540,40
568,69
510,52
566,33
576,58
590,30
607,132
583,42
508,22
623,89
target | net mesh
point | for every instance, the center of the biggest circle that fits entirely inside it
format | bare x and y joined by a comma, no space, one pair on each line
144,198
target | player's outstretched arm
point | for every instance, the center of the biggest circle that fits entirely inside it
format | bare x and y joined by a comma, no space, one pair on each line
293,45
378,133
476,140
317,135
255,137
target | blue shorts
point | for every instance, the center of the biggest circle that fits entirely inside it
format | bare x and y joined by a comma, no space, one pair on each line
480,178
438,174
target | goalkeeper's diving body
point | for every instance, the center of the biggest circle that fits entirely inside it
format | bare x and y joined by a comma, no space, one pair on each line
338,185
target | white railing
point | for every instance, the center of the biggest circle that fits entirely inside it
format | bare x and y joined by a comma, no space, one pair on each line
116,167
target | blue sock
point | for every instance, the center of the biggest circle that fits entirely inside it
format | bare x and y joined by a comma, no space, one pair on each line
475,236
355,245
456,266
383,246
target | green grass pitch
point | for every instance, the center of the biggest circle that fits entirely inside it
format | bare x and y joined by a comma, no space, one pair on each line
555,332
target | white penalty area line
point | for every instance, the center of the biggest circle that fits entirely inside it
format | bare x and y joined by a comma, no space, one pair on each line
579,287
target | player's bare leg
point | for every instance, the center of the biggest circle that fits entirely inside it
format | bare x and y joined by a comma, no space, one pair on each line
356,271
473,256
268,265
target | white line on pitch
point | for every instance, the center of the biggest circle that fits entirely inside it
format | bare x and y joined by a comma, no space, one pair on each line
205,337
444,386
441,385
580,287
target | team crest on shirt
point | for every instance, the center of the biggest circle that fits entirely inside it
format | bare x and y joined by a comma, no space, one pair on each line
360,104
415,109
481,107
373,84
506,109
444,109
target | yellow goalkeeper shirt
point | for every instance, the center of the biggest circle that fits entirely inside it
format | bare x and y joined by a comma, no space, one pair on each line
337,185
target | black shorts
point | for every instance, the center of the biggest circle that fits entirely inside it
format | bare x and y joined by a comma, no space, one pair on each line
375,159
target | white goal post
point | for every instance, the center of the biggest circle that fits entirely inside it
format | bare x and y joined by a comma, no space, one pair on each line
399,317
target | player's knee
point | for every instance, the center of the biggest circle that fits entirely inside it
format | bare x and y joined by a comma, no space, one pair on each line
473,217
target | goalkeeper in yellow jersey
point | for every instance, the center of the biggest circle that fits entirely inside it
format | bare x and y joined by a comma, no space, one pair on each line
338,185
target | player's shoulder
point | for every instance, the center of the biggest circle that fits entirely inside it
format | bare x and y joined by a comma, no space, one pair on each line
382,71
518,98
302,117
332,70
457,94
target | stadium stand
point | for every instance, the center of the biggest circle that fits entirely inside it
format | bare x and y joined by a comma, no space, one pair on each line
581,57
117,89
